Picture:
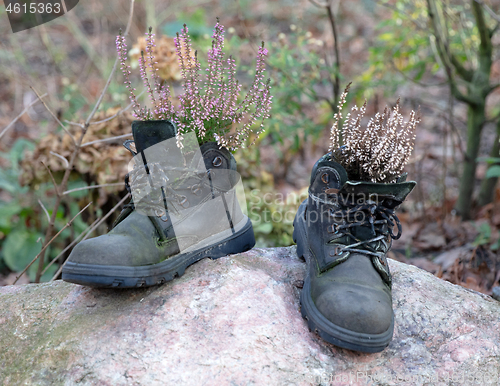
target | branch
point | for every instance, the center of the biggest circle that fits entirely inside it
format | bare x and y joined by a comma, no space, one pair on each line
106,139
54,116
460,96
336,84
66,163
92,187
21,114
464,73
331,17
409,17
50,242
443,54
80,125
419,83
93,228
447,58
118,112
69,246
64,183
105,89
484,33
44,209
493,87
489,10
53,180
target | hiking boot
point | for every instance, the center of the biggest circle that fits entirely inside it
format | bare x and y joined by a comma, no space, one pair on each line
193,214
344,231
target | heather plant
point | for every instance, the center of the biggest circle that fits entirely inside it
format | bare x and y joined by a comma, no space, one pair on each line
210,103
380,151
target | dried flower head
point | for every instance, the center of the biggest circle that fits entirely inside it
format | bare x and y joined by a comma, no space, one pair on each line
164,54
210,103
380,151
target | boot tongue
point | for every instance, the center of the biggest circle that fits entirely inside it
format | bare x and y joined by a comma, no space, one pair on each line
392,194
387,195
149,133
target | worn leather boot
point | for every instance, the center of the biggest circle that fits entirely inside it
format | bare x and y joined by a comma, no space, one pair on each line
344,231
199,217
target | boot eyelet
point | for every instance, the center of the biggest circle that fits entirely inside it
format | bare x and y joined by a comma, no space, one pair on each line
183,201
337,251
195,189
160,213
325,177
217,161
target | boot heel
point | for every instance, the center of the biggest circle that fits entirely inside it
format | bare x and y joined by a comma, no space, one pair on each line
240,243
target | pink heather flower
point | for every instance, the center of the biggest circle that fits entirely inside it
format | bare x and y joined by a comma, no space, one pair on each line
209,104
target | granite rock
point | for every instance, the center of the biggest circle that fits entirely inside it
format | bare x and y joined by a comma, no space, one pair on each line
236,321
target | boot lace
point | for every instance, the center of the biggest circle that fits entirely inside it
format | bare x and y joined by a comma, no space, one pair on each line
379,218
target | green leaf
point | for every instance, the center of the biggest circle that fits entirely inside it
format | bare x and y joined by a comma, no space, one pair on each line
19,248
489,160
265,227
6,214
493,171
194,21
8,183
421,71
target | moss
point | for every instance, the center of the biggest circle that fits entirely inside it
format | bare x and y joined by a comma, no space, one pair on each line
36,346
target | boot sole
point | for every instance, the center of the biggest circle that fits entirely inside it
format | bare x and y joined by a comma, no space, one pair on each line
328,331
100,276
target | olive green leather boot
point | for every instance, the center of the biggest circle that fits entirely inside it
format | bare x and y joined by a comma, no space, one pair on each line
151,245
344,231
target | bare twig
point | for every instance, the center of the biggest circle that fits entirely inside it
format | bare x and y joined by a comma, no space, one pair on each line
54,116
410,18
489,10
121,111
447,59
75,26
105,89
320,4
66,163
70,245
64,182
106,139
125,198
336,51
80,125
109,118
92,187
53,180
417,82
50,242
21,114
44,209
117,113
336,83
94,227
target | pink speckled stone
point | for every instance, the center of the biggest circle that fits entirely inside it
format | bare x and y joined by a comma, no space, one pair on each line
236,321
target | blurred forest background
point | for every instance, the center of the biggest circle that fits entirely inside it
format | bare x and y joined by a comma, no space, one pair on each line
441,56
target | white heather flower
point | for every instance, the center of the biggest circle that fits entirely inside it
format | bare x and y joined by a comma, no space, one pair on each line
380,151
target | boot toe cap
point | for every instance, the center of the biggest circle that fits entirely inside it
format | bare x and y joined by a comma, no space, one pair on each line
356,308
108,250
